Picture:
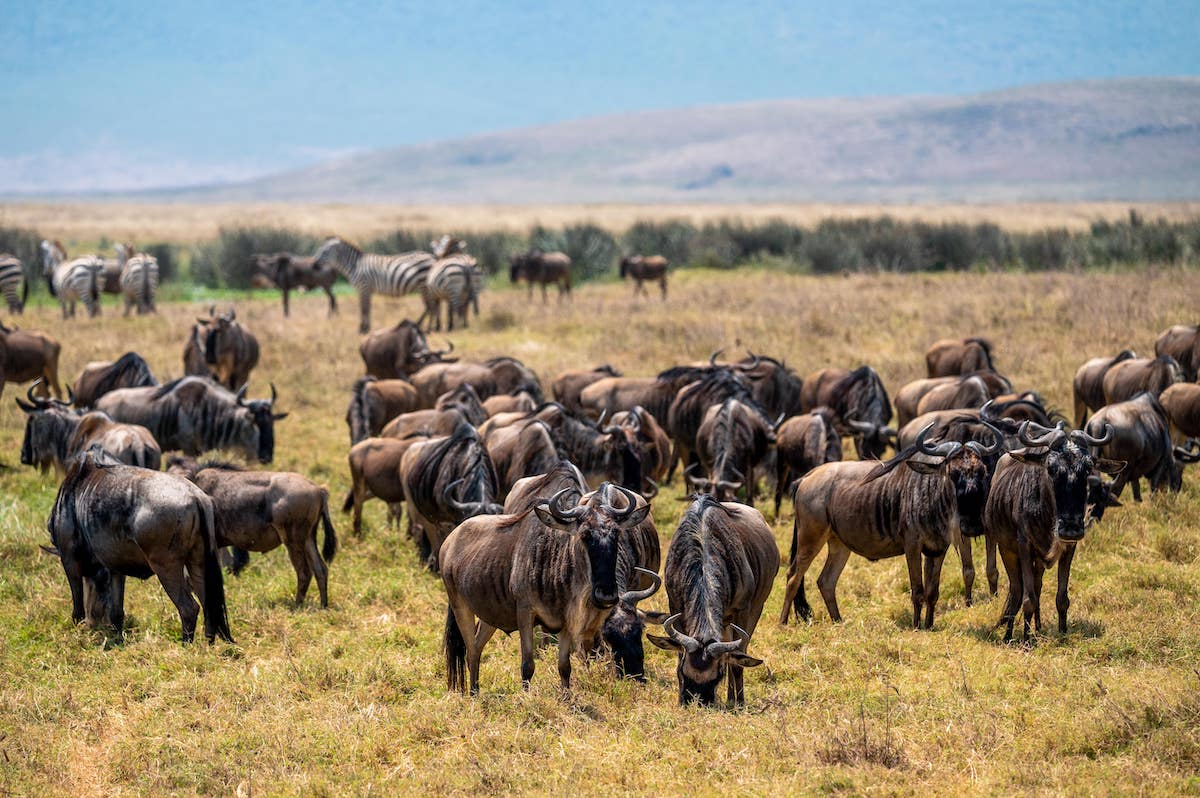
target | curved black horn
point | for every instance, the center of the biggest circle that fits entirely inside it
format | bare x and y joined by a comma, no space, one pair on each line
634,596
553,504
650,494
1045,437
946,449
690,644
241,395
712,359
715,650
621,515
273,394
984,450
1085,437
448,496
752,365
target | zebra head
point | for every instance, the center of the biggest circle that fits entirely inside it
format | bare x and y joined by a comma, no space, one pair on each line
339,254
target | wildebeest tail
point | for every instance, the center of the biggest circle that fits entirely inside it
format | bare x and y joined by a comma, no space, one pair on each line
24,291
214,583
456,654
330,548
348,504
94,283
359,414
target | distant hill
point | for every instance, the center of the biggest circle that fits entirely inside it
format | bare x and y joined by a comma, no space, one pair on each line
1130,139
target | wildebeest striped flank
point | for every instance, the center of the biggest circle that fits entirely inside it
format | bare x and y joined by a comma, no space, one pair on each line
390,275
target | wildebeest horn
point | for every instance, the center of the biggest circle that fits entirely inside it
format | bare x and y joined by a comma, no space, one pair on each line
273,394
715,650
1046,437
690,644
691,477
779,420
634,419
751,366
70,397
712,359
241,396
440,352
621,515
600,421
454,503
982,450
1190,454
860,426
563,515
946,449
648,495
1084,437
634,596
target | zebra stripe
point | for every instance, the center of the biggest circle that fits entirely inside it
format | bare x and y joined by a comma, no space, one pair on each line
455,281
78,280
13,284
139,281
390,275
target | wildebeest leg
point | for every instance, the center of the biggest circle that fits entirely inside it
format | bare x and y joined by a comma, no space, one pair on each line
933,581
663,283
358,494
963,544
525,628
782,472
316,564
545,298
1136,484
806,543
1013,602
835,560
565,644
171,577
916,586
1025,558
483,633
116,602
1039,572
1062,601
286,309
75,580
300,562
332,301
95,598
395,513
993,572
364,312
465,619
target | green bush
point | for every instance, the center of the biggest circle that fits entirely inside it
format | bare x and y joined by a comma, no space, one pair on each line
26,246
225,262
671,239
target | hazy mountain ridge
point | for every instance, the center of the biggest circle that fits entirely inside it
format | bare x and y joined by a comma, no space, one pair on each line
1134,139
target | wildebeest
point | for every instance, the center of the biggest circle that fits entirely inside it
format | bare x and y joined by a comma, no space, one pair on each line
195,415
1181,342
230,350
13,285
720,567
860,406
375,473
614,394
373,403
521,402
552,566
1125,379
907,506
567,386
690,406
28,356
544,268
194,362
99,377
394,353
54,435
1038,510
952,356
262,510
652,440
774,386
451,409
520,451
436,379
645,268
910,394
446,480
802,443
733,439
1088,385
1182,403
290,271
967,392
1141,436
110,521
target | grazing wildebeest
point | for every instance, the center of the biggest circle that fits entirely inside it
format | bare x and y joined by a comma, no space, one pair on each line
733,439
373,403
860,406
774,386
611,395
195,415
1141,437
262,510
452,409
1182,403
720,567
1038,510
567,386
953,356
645,268
1181,342
533,490
654,443
13,284
1088,385
690,406
99,377
27,356
54,435
911,394
110,521
544,268
230,350
290,271
1127,378
520,402
520,451
967,392
394,353
194,362
375,473
390,275
436,379
514,572
802,443
907,506
446,480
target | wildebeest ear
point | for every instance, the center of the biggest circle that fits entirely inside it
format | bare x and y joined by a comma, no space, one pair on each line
656,618
279,416
922,468
1028,456
665,643
743,660
636,517
1110,467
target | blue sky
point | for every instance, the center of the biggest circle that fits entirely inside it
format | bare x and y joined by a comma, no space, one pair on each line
127,94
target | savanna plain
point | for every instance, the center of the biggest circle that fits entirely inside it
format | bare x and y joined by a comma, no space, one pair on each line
352,700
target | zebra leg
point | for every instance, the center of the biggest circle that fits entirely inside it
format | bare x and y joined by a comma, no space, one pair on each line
364,311
332,301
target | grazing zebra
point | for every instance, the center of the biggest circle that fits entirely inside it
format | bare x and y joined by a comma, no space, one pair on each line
13,284
456,281
72,281
390,275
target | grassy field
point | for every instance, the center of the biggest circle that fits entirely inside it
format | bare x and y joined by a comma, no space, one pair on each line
352,700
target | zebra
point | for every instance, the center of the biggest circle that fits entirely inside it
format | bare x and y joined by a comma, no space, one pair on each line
456,281
72,281
139,281
390,275
13,284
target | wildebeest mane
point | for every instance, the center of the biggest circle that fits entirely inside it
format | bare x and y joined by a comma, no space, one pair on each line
129,371
862,396
696,549
986,346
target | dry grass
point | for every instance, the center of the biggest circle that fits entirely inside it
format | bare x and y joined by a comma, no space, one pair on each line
352,700
188,223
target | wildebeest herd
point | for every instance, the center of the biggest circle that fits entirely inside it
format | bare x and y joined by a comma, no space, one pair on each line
535,511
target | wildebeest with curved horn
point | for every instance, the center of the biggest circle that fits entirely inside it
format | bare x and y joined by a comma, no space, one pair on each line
774,386
1127,378
230,350
195,415
802,443
27,356
99,377
1038,510
262,510
395,353
544,268
860,406
373,403
720,567
54,435
1088,385
1141,437
568,385
1181,342
966,393
906,506
690,406
452,409
290,271
553,566
110,521
652,440
733,439
645,268
446,480
952,356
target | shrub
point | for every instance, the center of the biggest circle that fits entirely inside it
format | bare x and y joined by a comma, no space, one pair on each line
26,246
671,239
225,262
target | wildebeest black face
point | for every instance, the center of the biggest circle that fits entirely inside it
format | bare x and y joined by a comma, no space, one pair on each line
600,536
972,480
259,435
1069,469
702,663
46,432
622,633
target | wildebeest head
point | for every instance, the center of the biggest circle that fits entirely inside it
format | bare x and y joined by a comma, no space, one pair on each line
715,484
702,663
260,437
48,425
597,526
1079,493
965,465
465,398
217,328
623,631
626,456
